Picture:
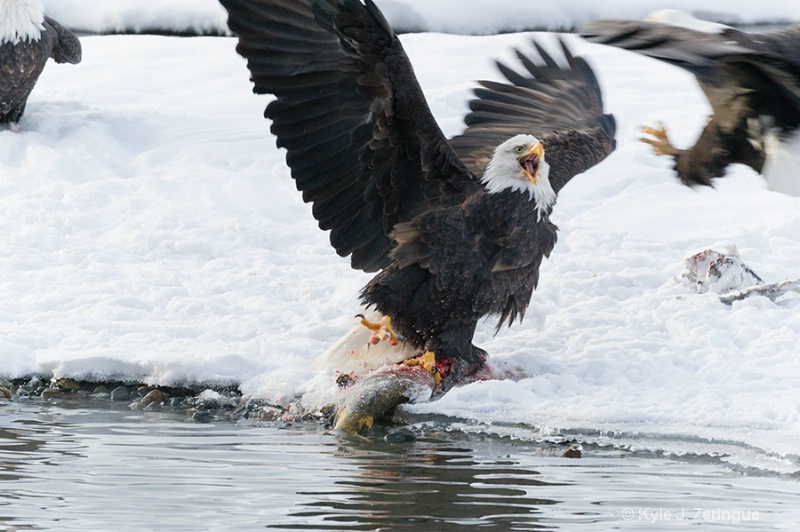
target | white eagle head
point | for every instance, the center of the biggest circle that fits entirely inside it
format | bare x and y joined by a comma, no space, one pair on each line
673,17
21,20
519,164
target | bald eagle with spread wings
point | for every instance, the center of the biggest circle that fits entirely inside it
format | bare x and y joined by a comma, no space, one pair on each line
456,229
28,38
752,82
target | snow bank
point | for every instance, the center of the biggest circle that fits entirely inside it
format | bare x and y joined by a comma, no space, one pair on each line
448,16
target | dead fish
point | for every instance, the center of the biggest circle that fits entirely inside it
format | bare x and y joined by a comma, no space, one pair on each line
378,393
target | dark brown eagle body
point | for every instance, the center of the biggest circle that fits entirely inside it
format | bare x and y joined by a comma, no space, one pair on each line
452,266
394,192
752,82
22,63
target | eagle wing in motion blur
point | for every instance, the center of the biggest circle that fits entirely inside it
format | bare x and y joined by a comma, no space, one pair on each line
752,82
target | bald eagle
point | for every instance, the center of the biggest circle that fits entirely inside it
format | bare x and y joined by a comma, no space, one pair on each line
752,82
455,229
28,38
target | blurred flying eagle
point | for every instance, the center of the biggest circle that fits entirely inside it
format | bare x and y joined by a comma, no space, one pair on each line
457,229
28,38
752,82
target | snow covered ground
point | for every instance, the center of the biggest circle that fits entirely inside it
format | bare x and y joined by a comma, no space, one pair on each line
149,230
451,16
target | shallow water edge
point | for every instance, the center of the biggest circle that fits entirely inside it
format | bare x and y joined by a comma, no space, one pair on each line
70,466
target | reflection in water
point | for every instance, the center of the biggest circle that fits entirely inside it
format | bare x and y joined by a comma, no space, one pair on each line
425,483
94,469
429,482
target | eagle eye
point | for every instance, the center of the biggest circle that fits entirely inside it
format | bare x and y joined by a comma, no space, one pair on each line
519,149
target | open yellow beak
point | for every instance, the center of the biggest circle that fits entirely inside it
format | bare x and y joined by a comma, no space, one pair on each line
531,160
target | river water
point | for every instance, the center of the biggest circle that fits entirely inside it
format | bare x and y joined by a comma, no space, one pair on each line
85,467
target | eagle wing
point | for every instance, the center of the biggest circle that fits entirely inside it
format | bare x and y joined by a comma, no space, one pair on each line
67,46
362,144
23,63
726,64
561,105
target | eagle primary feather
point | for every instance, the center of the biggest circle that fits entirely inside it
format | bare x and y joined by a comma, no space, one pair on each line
451,241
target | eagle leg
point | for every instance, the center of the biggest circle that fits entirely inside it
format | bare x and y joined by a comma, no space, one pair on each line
462,369
450,371
381,330
659,140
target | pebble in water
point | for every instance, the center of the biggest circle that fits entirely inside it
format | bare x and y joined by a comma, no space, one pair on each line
153,399
143,390
574,451
204,406
55,393
403,435
203,417
120,393
68,384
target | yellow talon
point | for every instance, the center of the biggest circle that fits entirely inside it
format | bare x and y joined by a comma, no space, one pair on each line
658,140
428,361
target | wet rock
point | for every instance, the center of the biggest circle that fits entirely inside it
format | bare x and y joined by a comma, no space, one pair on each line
203,417
403,435
267,413
120,393
68,384
154,398
28,390
143,390
175,402
22,392
575,451
213,400
36,386
222,403
55,393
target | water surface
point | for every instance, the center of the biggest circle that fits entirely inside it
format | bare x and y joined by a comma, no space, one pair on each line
93,468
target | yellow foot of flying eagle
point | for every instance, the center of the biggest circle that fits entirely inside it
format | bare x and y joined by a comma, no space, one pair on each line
659,140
